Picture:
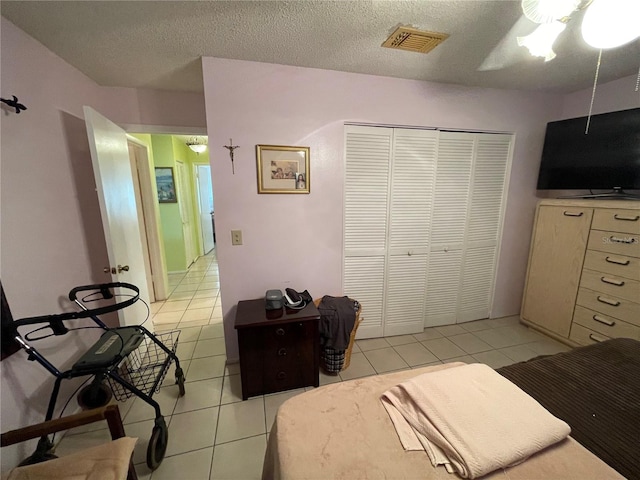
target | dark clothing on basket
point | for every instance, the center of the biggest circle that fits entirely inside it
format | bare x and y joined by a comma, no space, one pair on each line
337,317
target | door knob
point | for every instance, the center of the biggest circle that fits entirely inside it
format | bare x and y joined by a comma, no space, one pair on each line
123,268
109,270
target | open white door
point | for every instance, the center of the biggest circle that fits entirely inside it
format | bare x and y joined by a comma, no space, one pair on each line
205,206
114,184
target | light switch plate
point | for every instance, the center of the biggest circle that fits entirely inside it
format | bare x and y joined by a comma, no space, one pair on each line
236,237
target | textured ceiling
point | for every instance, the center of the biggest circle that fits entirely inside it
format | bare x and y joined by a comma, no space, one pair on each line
159,44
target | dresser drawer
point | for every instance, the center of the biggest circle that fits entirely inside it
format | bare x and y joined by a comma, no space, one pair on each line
625,244
619,287
610,305
616,220
627,267
585,336
609,326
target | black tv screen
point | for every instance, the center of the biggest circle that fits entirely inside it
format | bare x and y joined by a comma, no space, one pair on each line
607,157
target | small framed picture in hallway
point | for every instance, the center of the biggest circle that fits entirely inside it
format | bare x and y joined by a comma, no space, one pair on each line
166,185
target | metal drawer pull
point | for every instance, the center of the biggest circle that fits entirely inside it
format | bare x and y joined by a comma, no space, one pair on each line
613,303
571,214
617,283
280,331
604,321
282,352
281,375
617,262
596,339
622,240
627,219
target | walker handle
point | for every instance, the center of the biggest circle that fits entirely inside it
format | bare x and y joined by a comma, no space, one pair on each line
93,312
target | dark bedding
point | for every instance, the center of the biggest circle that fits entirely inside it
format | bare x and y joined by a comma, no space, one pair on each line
596,390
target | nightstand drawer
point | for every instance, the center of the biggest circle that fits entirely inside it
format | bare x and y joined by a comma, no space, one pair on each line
609,326
625,244
283,335
610,305
584,336
619,287
627,267
616,220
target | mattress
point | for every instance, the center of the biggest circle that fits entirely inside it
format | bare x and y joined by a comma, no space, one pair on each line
342,431
596,390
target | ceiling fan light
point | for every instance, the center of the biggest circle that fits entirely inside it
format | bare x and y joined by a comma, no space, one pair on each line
611,23
548,11
541,41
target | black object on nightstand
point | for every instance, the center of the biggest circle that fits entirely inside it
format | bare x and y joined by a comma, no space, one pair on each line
279,349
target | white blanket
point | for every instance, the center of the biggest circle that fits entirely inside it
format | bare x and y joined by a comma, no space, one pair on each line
470,418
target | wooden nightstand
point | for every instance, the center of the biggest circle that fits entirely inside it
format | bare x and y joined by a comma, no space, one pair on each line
279,349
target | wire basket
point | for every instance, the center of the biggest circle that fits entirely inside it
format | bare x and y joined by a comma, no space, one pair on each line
146,366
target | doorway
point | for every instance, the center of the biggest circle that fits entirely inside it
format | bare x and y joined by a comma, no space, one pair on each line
186,212
184,229
204,191
148,219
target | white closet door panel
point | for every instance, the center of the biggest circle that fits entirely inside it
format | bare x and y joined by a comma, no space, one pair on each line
406,282
443,283
413,175
489,175
477,283
368,152
364,282
453,175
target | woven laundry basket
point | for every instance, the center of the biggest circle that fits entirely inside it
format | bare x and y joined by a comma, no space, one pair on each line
352,337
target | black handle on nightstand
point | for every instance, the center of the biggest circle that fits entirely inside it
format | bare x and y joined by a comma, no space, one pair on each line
281,375
282,352
280,331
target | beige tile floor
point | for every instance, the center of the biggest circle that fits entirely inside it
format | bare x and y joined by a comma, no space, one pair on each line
214,435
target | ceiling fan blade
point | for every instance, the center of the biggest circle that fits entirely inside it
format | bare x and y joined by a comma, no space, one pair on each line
507,52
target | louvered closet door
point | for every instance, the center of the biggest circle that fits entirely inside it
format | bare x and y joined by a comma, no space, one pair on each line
484,227
368,154
412,180
448,224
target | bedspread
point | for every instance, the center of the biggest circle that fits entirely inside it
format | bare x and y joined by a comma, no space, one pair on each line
342,431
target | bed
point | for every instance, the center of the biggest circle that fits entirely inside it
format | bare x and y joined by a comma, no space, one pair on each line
343,431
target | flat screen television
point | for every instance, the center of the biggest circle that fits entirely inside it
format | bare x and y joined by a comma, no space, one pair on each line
607,158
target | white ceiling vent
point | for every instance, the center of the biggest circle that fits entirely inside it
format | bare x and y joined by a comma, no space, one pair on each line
414,40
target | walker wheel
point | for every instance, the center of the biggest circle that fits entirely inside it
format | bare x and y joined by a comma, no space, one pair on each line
180,381
157,445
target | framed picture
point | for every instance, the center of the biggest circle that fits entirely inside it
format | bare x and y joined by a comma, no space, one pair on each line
283,169
166,185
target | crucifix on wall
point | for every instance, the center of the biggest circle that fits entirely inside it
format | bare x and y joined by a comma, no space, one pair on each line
231,147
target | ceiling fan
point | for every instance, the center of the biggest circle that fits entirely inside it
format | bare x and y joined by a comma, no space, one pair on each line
605,24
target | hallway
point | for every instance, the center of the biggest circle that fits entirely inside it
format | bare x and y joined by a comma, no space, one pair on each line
194,300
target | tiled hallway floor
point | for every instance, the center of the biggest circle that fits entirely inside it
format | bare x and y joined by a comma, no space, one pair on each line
213,434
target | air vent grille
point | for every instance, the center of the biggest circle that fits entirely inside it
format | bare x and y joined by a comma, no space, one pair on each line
413,40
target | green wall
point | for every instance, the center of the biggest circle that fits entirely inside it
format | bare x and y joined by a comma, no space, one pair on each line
163,156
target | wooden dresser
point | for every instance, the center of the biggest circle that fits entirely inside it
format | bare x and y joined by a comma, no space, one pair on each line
583,280
279,349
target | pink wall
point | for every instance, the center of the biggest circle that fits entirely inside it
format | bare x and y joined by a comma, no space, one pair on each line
52,236
617,95
296,240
